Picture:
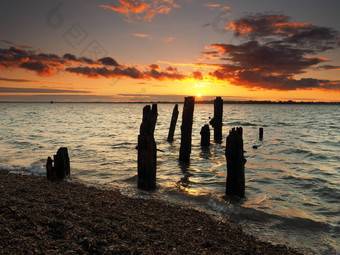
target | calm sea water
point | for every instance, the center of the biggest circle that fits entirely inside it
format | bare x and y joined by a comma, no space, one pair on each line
292,179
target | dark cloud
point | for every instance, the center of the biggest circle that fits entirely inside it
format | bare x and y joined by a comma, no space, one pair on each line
154,66
57,98
273,50
130,72
170,73
171,69
197,75
108,61
268,59
86,60
39,90
18,51
16,80
253,79
329,67
44,56
48,64
7,42
96,72
69,56
41,68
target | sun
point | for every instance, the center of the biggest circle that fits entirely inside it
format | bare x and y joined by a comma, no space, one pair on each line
199,95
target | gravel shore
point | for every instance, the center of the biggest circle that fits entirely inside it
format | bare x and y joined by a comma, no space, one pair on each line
42,217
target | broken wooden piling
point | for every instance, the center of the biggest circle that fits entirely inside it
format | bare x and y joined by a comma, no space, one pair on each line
216,121
147,150
205,135
235,163
261,133
173,124
186,129
61,169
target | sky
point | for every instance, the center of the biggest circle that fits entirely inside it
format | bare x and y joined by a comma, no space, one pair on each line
163,50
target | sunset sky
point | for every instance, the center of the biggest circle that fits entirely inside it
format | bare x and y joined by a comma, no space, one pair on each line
162,50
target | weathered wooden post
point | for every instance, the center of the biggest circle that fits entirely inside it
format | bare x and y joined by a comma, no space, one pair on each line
62,163
216,121
261,133
147,150
50,173
205,135
235,163
61,168
186,129
173,124
154,114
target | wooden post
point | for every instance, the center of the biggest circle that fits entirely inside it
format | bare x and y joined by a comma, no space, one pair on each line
50,173
205,135
173,124
261,133
154,114
216,121
186,129
235,163
147,150
61,168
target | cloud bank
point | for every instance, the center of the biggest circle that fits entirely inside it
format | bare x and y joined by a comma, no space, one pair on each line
273,51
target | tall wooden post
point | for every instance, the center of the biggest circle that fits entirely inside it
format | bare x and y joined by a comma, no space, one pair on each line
61,168
186,129
235,163
173,124
261,133
205,135
147,150
216,121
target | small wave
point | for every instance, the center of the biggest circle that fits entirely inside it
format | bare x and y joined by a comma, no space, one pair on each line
244,124
6,167
123,145
309,154
294,151
279,123
330,194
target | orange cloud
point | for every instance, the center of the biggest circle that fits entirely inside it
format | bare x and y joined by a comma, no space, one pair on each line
226,8
121,9
139,10
212,5
142,35
169,39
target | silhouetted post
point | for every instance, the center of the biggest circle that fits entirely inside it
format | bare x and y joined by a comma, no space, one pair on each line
261,133
205,135
235,163
61,168
147,150
216,121
50,173
154,114
186,129
173,124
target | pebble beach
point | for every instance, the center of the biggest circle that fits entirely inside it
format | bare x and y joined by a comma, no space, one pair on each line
42,217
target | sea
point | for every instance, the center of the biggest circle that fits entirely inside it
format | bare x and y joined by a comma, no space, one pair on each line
292,175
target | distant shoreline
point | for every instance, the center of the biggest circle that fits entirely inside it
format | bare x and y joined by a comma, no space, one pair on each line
197,102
